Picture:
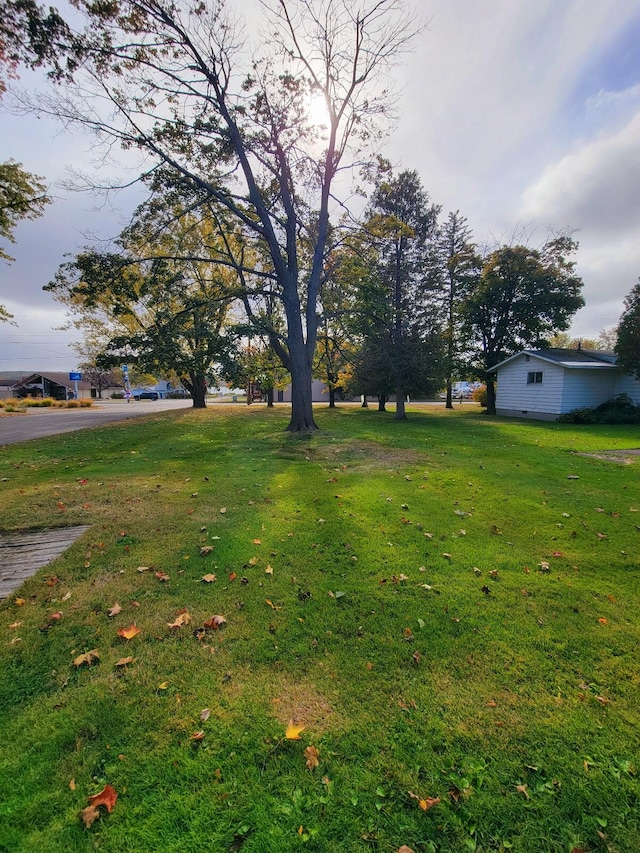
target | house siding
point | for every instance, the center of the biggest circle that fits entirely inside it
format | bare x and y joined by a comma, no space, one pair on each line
515,398
627,384
587,388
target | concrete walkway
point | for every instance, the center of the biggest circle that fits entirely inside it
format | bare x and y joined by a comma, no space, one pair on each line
22,554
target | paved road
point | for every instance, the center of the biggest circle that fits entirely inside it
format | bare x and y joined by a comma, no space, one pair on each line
37,423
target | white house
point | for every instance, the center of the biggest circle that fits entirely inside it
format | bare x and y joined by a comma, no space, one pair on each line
544,384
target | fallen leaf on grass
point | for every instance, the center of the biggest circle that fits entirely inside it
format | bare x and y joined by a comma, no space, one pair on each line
602,620
162,576
19,602
114,610
425,803
209,578
124,661
197,736
404,849
272,605
223,510
254,561
107,798
522,789
205,714
15,625
233,576
293,731
268,570
182,619
216,622
312,755
206,549
143,569
257,541
87,658
129,633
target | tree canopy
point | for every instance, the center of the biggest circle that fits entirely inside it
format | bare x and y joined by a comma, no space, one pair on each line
396,318
522,297
171,80
161,301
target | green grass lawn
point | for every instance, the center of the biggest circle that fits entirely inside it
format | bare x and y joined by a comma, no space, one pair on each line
449,606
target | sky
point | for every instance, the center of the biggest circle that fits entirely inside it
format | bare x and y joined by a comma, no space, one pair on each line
523,116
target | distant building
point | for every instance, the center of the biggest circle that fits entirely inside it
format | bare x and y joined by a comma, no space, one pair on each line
8,379
544,384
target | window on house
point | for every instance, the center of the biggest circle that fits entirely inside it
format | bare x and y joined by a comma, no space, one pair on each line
534,377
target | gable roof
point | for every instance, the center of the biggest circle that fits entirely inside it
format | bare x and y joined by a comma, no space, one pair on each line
53,376
569,358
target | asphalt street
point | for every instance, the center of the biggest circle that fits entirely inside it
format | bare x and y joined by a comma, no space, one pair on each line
37,423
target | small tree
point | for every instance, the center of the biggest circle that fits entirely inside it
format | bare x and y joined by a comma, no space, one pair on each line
459,269
627,346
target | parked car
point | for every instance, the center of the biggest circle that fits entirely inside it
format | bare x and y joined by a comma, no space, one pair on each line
461,390
147,395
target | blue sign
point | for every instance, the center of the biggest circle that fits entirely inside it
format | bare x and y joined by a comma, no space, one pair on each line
76,377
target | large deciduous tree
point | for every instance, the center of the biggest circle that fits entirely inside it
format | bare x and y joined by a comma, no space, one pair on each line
523,296
627,346
33,35
240,131
161,301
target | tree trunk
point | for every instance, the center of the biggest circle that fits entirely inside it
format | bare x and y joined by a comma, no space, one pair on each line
491,397
332,398
365,405
401,414
270,398
249,394
449,403
197,388
301,401
382,403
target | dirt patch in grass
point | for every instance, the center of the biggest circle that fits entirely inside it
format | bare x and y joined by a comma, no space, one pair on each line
302,702
622,457
362,455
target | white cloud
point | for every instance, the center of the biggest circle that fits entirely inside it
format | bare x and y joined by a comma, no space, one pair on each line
595,188
605,101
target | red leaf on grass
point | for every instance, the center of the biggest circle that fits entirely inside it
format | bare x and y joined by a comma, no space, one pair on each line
107,798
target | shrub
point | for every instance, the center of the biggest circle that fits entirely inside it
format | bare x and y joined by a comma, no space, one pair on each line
117,395
480,395
619,410
38,402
